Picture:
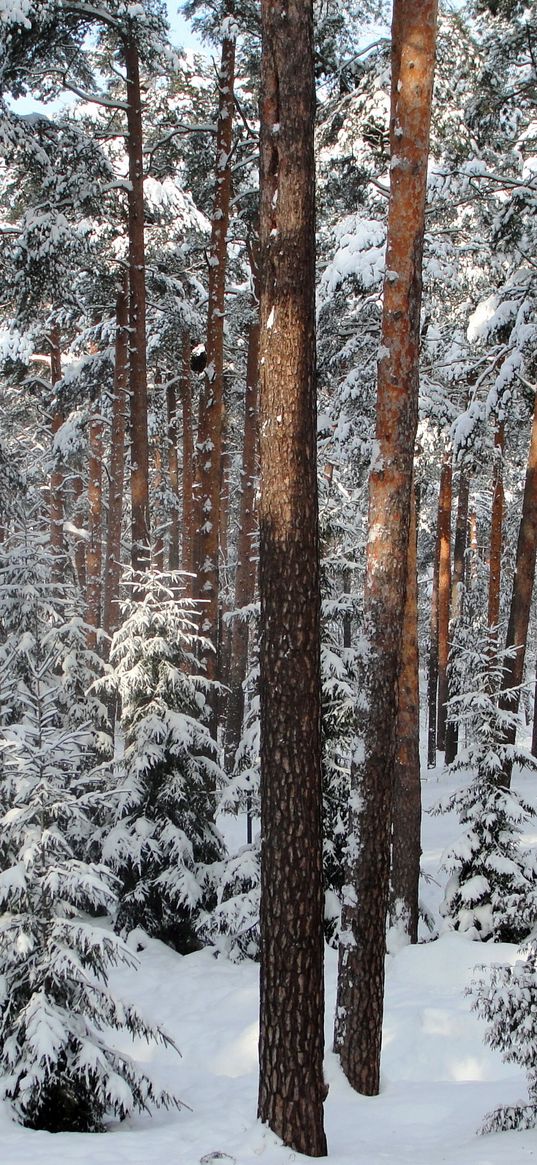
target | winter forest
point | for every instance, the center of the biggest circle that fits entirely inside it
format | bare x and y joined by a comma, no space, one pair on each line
268,533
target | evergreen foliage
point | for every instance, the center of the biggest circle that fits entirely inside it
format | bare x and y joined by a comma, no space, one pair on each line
491,891
163,841
505,996
60,1069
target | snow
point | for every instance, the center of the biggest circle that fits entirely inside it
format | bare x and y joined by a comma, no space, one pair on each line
439,1079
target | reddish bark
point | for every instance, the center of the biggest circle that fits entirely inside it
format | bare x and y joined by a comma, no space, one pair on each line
444,595
291,1038
432,676
362,949
524,576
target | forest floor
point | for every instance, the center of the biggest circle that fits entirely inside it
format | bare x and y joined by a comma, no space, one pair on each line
438,1077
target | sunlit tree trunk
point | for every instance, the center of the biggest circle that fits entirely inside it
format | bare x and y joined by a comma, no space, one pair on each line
362,945
432,671
211,416
116,469
137,312
291,1036
444,595
524,576
406,827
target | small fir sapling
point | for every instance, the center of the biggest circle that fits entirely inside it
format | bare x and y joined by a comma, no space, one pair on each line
505,996
491,891
59,1067
164,840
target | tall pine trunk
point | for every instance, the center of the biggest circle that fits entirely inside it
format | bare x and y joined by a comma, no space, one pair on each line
137,312
406,824
188,511
363,928
173,475
245,575
95,507
291,1037
444,595
457,587
211,415
524,576
116,471
496,533
432,671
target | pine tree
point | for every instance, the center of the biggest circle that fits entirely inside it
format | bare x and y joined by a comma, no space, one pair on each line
492,887
60,1068
505,995
164,840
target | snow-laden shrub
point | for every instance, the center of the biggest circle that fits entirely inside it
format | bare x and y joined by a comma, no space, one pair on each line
163,840
505,996
491,891
58,1064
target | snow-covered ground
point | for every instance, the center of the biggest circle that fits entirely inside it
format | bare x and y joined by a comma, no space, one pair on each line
438,1078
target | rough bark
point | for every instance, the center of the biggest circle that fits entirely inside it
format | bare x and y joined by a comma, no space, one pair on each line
362,946
211,415
116,470
291,1039
444,595
457,586
524,576
406,827
140,550
245,575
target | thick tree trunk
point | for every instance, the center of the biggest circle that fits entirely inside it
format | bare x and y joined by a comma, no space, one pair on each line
362,946
444,595
291,1037
245,575
95,509
137,310
57,541
209,445
524,576
116,472
406,826
457,587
